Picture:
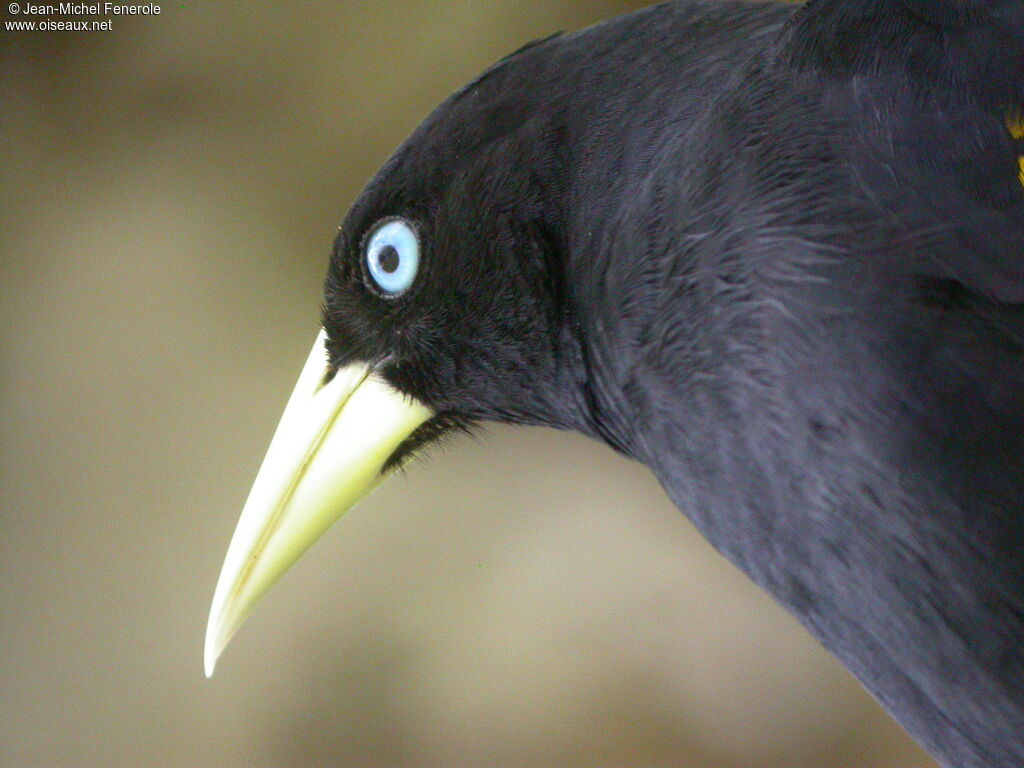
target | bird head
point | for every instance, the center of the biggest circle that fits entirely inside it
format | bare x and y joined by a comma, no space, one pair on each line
447,275
444,306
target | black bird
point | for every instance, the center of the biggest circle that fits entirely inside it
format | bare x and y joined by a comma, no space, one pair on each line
777,255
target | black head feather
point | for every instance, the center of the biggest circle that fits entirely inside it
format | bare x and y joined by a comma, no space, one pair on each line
484,332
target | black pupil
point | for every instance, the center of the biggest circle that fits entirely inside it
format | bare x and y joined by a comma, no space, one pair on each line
388,258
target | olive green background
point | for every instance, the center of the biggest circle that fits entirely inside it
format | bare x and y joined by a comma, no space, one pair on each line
169,192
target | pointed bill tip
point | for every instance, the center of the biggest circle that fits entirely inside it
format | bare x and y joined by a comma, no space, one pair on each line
210,654
219,629
215,641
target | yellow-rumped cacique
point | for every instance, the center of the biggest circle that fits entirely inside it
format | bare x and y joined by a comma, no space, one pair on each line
773,252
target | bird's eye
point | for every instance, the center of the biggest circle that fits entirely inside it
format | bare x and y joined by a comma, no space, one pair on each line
392,257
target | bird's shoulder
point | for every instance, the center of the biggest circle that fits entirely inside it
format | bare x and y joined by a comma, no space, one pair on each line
928,104
869,207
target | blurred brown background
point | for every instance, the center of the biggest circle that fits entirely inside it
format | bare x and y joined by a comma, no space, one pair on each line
169,192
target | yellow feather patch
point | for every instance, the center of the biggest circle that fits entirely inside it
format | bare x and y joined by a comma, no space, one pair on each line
1015,122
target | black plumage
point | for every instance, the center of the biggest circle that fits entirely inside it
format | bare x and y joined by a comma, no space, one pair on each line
776,255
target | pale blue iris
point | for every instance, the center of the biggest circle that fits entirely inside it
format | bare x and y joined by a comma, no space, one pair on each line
393,257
